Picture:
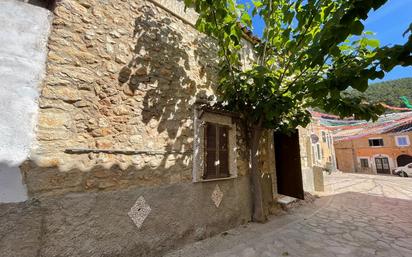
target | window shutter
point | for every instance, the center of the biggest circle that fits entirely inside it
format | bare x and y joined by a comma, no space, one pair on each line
210,151
216,151
223,152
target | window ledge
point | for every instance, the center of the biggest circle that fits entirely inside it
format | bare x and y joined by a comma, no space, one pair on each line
215,179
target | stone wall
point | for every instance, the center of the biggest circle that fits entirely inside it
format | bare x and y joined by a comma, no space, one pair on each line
120,75
123,76
23,40
306,159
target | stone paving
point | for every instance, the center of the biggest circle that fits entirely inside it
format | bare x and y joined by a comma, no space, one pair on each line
358,216
377,185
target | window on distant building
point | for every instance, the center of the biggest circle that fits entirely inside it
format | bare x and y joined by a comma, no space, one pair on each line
376,142
330,141
314,154
319,153
402,140
364,163
323,136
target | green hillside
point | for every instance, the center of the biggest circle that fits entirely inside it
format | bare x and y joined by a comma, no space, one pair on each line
388,92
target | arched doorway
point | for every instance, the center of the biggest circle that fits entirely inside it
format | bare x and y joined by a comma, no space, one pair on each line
403,159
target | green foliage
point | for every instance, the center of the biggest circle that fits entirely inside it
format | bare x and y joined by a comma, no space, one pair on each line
388,92
309,53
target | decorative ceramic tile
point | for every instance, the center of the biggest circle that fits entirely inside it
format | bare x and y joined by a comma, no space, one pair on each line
139,211
217,196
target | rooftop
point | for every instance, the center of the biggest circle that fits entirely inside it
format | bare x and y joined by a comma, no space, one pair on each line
347,129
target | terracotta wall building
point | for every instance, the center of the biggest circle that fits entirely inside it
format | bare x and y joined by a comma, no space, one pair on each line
375,148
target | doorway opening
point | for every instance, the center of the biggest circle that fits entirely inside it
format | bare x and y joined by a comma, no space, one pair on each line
382,165
403,160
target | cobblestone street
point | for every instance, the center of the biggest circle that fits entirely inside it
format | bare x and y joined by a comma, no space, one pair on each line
358,215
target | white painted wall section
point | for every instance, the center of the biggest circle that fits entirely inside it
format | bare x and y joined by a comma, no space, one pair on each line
23,51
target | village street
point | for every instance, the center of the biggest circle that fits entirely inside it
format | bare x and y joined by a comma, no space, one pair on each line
359,216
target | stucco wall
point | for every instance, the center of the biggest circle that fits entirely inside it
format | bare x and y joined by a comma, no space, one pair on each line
98,224
309,158
359,148
23,39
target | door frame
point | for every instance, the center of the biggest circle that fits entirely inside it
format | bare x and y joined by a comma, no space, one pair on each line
288,164
383,170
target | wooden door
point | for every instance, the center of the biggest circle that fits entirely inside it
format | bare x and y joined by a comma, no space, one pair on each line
382,165
288,167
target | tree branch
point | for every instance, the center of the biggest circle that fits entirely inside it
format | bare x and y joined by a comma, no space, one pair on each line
301,74
262,60
223,47
297,45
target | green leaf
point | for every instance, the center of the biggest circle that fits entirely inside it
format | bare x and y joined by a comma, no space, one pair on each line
245,18
373,43
257,4
310,52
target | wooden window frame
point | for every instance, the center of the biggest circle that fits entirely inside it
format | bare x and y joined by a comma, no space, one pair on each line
362,160
218,173
202,117
370,141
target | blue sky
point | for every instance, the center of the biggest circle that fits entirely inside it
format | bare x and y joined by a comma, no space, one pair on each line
389,22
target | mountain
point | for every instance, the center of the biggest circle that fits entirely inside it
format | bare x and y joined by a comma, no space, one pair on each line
388,92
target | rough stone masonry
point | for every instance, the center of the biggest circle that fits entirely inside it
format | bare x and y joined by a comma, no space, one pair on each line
123,76
120,75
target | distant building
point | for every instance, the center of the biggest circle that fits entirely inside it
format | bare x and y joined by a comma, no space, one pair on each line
375,148
316,150
317,146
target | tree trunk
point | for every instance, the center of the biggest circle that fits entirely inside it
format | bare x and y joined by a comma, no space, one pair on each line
259,214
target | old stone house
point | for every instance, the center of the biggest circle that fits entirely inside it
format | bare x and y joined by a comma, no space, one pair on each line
120,154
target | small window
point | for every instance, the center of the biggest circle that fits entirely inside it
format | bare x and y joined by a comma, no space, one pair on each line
216,151
314,154
364,163
376,142
323,136
329,142
318,151
402,141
